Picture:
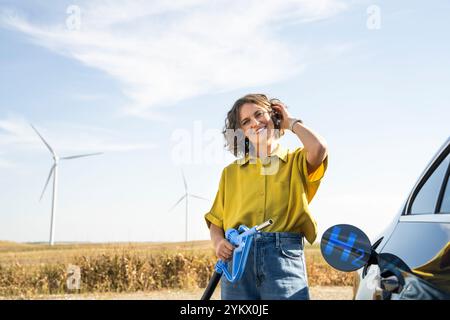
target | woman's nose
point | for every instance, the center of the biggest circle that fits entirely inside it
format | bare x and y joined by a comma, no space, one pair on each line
254,123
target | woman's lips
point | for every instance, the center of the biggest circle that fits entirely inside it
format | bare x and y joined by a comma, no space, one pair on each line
260,130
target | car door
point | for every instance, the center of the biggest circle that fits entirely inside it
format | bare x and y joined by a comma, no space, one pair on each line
421,237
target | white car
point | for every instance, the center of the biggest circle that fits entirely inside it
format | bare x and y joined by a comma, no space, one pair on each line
420,236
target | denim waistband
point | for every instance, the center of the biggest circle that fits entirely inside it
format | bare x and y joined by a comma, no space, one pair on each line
279,237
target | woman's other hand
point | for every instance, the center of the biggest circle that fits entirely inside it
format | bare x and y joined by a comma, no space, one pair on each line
224,250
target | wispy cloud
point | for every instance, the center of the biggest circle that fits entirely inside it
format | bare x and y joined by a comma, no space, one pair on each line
5,164
15,131
17,134
162,52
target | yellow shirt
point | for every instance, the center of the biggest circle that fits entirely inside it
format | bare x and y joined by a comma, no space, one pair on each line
252,191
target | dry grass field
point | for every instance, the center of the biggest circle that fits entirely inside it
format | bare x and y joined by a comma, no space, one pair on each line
132,270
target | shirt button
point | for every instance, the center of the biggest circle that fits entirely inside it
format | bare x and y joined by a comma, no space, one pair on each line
261,193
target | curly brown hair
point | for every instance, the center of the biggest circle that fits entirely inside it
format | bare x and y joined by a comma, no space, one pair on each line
235,140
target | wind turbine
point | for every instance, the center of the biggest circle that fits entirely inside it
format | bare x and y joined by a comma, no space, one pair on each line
186,197
54,172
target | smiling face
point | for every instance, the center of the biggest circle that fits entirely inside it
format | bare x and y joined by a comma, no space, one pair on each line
257,124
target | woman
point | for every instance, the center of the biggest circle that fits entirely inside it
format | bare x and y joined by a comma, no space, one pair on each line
268,182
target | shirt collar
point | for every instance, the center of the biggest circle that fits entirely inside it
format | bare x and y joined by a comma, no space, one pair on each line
279,151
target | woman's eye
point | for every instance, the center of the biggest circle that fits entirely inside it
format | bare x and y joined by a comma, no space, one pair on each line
244,122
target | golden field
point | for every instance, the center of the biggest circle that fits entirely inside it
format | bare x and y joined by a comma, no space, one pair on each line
27,270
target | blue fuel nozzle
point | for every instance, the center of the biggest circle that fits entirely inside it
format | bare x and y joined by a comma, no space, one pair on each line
242,240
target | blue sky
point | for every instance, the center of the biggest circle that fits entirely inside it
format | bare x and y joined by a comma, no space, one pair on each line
132,78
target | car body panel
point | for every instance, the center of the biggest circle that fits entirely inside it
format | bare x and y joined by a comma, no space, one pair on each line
416,239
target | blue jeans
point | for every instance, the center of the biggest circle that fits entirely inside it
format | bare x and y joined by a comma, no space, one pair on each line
275,270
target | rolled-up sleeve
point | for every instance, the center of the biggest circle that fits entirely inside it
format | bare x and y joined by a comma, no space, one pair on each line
216,214
312,180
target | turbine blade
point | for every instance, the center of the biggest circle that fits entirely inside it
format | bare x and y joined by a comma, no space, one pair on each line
81,156
184,180
43,140
198,197
181,199
48,179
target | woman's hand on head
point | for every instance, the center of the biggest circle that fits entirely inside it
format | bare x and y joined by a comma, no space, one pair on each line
224,250
285,116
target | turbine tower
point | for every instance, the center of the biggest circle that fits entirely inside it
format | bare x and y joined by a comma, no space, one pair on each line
186,197
54,172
